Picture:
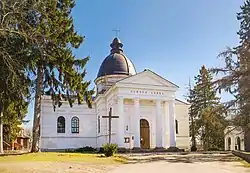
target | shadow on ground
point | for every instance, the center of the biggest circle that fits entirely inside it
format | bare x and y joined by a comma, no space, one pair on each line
189,158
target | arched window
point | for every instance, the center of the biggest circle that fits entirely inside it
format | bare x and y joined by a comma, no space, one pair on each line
176,127
75,125
61,124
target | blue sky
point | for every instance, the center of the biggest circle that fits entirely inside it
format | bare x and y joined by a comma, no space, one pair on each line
172,38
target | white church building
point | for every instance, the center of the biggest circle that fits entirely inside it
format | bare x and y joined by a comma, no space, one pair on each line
148,113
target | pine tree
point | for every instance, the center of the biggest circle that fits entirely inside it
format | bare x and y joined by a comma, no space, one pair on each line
57,71
13,93
14,84
236,75
192,115
206,112
13,116
47,34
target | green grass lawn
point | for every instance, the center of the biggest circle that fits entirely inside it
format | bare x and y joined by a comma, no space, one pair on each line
57,162
62,157
245,164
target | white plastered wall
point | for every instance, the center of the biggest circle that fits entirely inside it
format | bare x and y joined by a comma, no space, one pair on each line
181,113
233,133
50,139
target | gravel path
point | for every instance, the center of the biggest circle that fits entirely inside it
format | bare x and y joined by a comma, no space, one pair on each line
193,163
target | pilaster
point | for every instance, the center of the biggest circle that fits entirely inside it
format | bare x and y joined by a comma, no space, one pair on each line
120,130
159,125
136,123
166,141
172,134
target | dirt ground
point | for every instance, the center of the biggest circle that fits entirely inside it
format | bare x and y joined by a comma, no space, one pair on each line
57,163
163,167
54,167
195,163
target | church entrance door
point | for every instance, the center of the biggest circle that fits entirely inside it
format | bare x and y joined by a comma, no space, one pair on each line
144,134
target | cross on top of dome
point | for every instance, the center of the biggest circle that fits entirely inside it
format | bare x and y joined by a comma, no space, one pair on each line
116,32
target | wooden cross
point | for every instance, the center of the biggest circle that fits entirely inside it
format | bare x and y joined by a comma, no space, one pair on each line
110,119
116,32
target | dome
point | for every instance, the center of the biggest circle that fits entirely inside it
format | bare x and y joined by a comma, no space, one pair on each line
116,63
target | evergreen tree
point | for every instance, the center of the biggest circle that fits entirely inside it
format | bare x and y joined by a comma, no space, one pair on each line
13,92
47,35
56,69
192,115
205,98
205,112
236,74
11,119
14,84
14,95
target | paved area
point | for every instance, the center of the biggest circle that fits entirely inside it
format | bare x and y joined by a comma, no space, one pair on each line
193,163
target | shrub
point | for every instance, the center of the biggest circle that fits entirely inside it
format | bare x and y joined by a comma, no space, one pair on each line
214,149
193,148
174,149
86,149
122,150
110,149
89,149
100,150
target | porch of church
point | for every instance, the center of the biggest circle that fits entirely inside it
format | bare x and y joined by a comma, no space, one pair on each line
148,123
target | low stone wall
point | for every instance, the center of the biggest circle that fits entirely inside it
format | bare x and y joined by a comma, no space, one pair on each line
244,155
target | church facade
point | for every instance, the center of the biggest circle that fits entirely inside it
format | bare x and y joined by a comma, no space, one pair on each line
148,115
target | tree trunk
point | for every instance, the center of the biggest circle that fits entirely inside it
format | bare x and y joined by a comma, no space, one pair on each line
247,140
1,128
193,135
203,138
37,110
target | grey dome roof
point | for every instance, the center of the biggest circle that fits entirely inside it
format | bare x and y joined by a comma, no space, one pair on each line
116,63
